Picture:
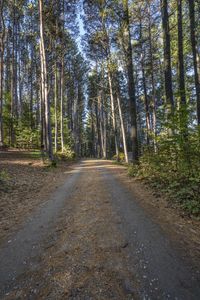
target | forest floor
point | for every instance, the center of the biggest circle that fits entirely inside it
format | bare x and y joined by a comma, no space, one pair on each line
26,184
87,231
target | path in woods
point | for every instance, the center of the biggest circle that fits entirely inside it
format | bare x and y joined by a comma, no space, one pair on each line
92,240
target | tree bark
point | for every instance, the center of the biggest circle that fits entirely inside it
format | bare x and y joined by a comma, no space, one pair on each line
196,61
146,100
181,72
56,108
2,40
167,56
113,113
131,83
152,77
44,80
122,128
61,104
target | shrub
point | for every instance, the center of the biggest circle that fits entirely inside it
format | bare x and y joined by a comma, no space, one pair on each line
66,155
120,158
172,172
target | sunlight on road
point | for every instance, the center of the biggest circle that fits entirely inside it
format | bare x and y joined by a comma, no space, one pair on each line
94,165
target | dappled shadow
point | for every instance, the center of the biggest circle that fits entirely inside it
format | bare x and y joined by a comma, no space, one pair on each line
92,164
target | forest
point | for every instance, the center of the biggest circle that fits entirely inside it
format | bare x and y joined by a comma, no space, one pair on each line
112,79
99,149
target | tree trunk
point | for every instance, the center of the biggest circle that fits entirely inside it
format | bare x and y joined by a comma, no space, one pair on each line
61,104
31,91
146,100
131,83
152,78
181,74
196,61
44,80
98,129
113,113
13,78
2,37
167,56
102,125
56,107
122,128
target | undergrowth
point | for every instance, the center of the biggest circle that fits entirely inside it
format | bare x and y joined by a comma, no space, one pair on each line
174,171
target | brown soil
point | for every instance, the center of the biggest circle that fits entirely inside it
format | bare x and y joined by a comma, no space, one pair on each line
27,184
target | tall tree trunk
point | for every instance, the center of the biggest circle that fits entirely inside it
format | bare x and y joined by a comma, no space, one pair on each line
101,124
196,61
44,80
167,56
105,134
13,78
152,77
113,113
98,128
2,40
181,72
146,100
181,81
56,109
122,128
31,89
61,104
131,83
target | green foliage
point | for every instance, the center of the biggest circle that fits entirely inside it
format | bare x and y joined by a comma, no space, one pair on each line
174,170
66,155
120,158
27,138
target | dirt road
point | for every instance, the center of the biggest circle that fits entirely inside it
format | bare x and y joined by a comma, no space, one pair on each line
92,240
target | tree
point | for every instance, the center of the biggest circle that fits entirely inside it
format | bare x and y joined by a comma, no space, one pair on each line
2,41
181,73
44,86
196,62
167,55
131,83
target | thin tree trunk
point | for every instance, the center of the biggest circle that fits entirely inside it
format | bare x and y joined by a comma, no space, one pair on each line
196,61
61,104
181,72
31,91
13,80
152,79
101,125
45,85
122,129
113,113
55,107
131,83
2,40
181,81
167,56
146,100
105,134
98,129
